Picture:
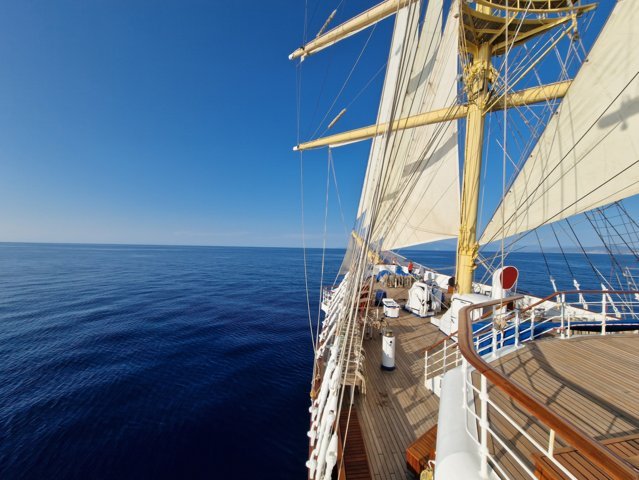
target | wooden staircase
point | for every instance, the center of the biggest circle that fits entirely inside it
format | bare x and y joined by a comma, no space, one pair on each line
355,464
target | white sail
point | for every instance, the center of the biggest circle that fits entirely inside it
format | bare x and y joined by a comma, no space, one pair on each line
412,182
402,47
423,203
588,155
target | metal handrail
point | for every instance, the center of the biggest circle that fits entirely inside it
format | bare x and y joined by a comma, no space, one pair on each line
593,451
454,334
576,292
536,304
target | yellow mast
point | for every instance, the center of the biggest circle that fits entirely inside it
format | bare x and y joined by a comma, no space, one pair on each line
484,34
477,81
490,34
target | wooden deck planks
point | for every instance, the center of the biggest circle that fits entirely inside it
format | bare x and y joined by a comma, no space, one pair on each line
592,381
626,447
397,408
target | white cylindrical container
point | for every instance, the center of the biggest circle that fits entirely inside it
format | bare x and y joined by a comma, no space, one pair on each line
388,350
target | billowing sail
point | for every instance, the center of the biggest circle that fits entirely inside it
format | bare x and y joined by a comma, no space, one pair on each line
415,189
423,205
588,155
402,48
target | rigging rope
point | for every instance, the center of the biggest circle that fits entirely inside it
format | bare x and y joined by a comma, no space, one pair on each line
350,74
561,249
552,280
298,71
321,283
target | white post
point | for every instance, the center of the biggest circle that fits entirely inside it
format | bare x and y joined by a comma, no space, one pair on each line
563,314
569,320
494,331
604,307
464,386
444,359
532,325
426,369
483,424
516,327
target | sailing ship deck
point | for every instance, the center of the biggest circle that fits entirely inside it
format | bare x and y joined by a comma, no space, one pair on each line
397,408
593,381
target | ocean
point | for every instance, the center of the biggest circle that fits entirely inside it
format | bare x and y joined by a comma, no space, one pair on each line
121,362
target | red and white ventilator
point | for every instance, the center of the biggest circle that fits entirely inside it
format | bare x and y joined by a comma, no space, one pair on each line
504,282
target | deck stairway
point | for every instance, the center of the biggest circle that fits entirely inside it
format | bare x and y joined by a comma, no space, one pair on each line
355,465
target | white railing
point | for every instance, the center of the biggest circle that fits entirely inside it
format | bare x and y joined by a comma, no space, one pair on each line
437,362
485,430
572,311
565,317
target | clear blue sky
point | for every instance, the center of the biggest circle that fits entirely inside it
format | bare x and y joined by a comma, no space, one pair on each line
149,122
172,122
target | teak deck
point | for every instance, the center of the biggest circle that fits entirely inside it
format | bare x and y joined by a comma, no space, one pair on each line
626,447
397,408
593,381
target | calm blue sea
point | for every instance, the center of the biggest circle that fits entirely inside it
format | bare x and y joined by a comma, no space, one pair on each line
122,362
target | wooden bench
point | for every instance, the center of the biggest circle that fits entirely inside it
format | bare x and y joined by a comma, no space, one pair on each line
421,451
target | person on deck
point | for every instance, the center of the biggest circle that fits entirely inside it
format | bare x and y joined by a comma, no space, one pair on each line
451,285
410,267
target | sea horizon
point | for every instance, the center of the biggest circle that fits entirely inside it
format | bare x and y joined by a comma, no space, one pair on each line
591,250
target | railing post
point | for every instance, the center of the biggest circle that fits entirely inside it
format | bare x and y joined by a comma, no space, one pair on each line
569,321
426,368
494,331
532,325
517,327
483,425
464,386
563,314
551,444
604,307
444,359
